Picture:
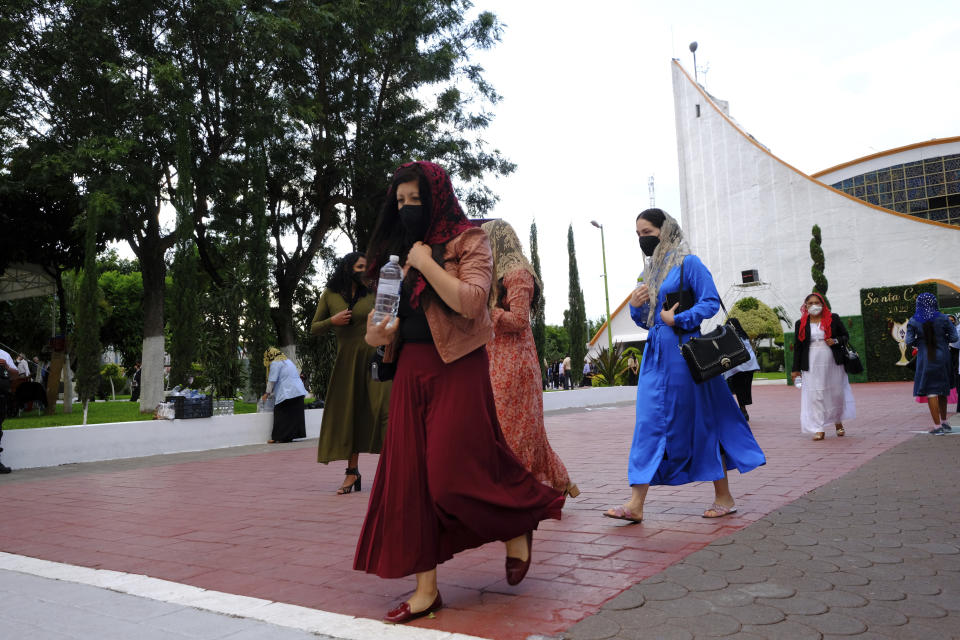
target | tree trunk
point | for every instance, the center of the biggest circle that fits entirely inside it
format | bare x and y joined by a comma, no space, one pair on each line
67,385
283,321
152,365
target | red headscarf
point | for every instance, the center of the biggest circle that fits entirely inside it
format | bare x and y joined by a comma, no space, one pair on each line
447,219
805,318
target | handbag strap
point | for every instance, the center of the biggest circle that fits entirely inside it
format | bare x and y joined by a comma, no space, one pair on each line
726,313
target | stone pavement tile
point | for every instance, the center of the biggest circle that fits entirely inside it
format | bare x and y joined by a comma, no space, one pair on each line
194,623
13,629
264,521
847,582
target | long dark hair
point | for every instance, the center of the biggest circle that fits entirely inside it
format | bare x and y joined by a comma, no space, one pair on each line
930,339
389,237
341,280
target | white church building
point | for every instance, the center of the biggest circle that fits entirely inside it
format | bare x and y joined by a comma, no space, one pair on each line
745,209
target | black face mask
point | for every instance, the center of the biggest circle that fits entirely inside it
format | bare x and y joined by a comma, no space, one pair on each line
648,244
414,221
357,277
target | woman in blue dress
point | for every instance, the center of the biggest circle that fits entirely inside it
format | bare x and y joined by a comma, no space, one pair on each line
685,432
931,333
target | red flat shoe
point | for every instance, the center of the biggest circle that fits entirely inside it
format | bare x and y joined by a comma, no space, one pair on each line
402,613
516,568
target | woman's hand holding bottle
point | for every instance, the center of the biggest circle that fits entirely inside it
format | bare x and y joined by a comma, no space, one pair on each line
380,334
640,296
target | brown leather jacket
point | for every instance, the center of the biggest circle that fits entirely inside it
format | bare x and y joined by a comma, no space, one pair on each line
468,258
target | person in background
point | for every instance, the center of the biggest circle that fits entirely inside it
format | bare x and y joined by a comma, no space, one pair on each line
514,371
8,371
931,333
567,373
23,366
355,410
825,395
38,367
633,370
283,384
955,359
740,378
447,480
135,384
685,432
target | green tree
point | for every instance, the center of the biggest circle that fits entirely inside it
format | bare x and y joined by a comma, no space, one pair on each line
575,318
538,324
758,320
557,343
816,253
87,337
122,322
184,318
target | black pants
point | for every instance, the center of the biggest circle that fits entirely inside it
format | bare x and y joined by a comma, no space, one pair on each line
4,404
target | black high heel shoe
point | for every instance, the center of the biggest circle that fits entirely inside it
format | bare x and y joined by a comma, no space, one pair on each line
351,471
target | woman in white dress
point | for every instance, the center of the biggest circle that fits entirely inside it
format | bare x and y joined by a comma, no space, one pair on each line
825,396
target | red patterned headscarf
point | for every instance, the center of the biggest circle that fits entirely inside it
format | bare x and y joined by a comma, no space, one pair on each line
447,219
805,318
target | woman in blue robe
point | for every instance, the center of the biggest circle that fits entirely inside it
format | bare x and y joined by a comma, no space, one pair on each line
931,332
685,432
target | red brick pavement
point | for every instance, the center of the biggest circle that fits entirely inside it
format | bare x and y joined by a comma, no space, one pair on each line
269,526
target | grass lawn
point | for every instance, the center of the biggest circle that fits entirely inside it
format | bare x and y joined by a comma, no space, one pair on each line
771,375
99,412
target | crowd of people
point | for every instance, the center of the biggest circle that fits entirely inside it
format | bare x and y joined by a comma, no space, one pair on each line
456,412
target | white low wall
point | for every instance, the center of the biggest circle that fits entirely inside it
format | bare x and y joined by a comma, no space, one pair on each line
52,446
587,397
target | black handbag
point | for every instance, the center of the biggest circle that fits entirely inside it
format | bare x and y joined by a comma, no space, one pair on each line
681,295
712,353
851,359
381,371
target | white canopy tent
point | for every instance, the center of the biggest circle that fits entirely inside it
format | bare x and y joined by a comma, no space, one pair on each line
24,280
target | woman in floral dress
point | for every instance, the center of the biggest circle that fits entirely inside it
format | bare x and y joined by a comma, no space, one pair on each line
514,368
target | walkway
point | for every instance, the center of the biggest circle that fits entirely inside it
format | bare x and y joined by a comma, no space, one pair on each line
263,522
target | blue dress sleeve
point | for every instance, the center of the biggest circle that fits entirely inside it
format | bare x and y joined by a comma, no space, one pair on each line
697,277
950,332
639,314
912,335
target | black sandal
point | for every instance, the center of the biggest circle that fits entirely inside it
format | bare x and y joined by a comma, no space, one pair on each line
351,471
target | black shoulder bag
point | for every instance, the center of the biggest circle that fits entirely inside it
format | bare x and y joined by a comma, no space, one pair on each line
381,371
712,353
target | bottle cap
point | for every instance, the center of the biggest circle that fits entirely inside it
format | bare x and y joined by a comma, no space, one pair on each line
394,258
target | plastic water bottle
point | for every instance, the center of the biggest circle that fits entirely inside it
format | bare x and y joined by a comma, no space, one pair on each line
798,382
388,291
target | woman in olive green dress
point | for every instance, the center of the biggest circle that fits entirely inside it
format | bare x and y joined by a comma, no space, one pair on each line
355,410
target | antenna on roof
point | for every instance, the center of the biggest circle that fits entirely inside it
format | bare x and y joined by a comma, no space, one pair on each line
650,188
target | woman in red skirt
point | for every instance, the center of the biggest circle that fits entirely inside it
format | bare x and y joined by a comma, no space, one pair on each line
447,480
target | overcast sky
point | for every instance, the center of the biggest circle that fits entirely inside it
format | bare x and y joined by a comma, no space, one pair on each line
587,110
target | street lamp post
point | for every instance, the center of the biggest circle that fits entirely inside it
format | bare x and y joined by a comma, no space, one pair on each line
606,288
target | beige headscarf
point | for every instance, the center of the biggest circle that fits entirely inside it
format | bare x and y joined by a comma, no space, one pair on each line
508,257
669,253
270,355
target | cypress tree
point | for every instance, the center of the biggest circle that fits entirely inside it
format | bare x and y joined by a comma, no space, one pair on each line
185,314
816,253
87,335
258,319
538,324
575,319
